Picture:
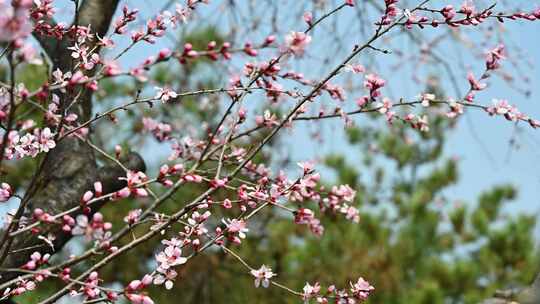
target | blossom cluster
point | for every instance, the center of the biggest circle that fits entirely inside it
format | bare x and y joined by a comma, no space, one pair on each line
160,130
94,228
221,159
134,291
30,144
15,21
5,192
262,276
135,186
468,14
167,259
358,292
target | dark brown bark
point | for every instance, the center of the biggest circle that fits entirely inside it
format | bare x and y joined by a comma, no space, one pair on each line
70,168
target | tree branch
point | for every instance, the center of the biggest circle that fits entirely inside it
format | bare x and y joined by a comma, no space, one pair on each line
528,295
98,14
70,169
48,44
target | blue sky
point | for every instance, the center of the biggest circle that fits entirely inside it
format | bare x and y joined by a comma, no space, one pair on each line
480,142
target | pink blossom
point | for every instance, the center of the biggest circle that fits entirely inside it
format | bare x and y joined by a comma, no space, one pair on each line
193,178
268,119
494,57
351,213
307,167
181,15
456,109
120,24
139,73
165,94
269,39
164,54
160,130
384,106
94,229
171,255
304,216
111,68
467,8
423,123
139,298
137,36
362,101
310,291
106,42
139,192
79,52
14,21
90,63
390,115
296,42
218,182
166,276
36,259
373,83
361,289
502,107
475,85
308,17
344,191
122,193
87,196
536,13
335,91
77,78
26,145
510,112
90,288
133,216
98,188
262,275
42,216
22,287
29,54
426,99
316,227
355,68
135,285
234,227
134,179
448,12
67,223
227,204
390,12
5,192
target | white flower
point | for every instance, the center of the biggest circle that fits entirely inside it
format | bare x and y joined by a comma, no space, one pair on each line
165,94
235,226
166,276
46,141
407,13
5,192
296,42
263,274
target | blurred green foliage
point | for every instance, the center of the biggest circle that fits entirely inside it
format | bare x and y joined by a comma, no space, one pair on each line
412,243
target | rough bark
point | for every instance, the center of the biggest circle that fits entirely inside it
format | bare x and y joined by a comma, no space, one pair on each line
70,168
528,295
